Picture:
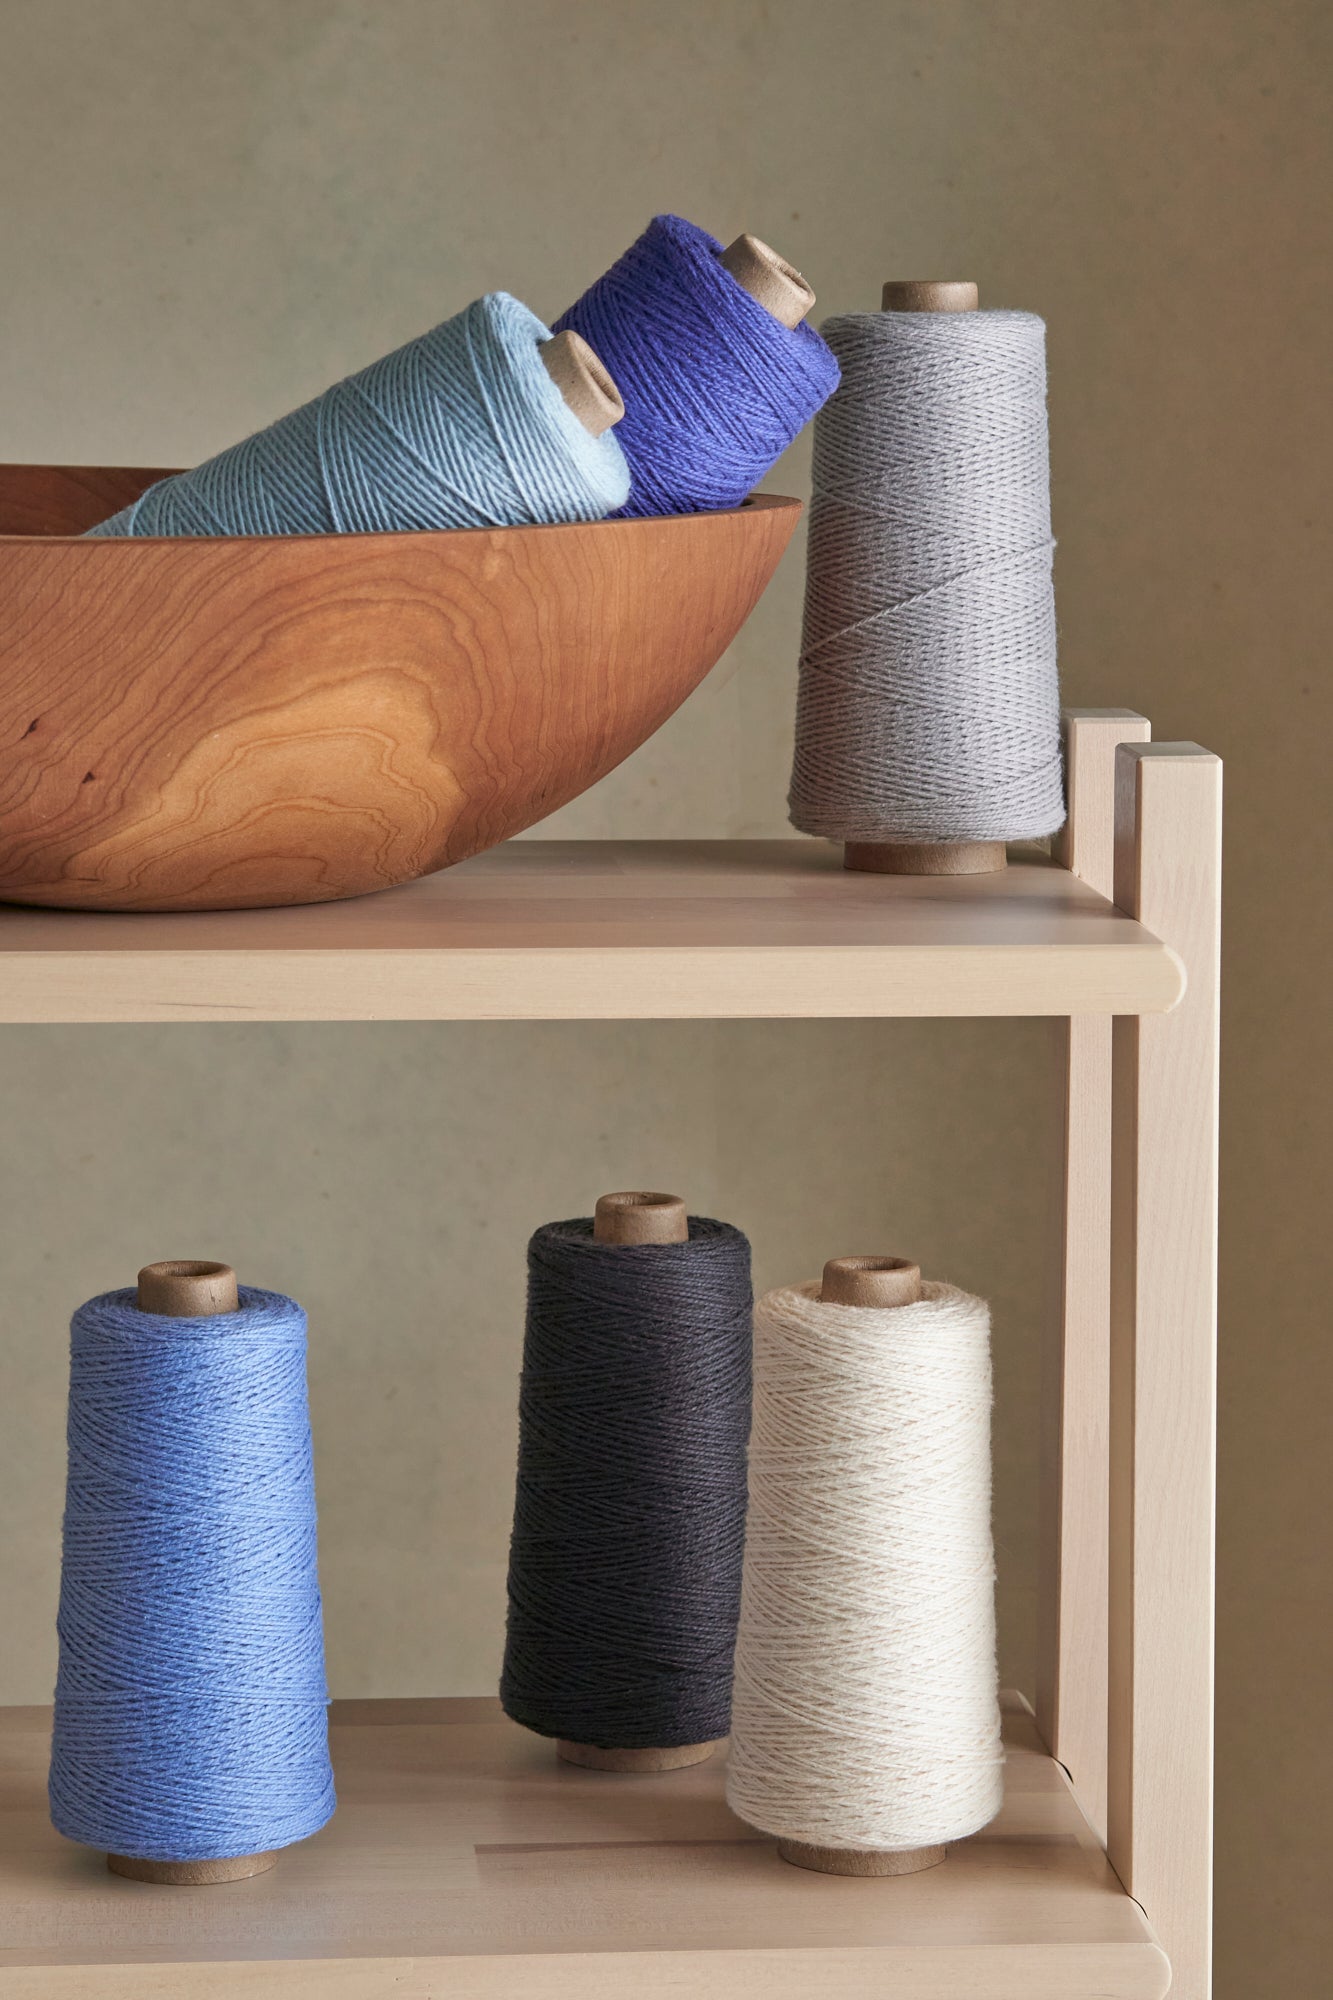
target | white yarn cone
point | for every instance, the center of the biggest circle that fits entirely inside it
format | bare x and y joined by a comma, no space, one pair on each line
865,1713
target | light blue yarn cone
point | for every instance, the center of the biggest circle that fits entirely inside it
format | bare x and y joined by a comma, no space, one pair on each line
462,428
191,1703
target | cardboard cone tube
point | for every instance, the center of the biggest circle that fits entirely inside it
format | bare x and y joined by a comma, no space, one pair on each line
928,295
870,1281
640,1218
768,278
583,381
189,1289
637,1217
944,857
866,1281
185,1288
927,857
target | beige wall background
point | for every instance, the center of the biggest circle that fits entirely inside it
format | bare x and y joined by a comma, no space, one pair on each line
214,207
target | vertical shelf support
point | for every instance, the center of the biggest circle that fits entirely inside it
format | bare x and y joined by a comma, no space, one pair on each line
1163,1361
1072,1599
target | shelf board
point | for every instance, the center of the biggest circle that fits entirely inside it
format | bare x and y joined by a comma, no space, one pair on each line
466,1863
598,930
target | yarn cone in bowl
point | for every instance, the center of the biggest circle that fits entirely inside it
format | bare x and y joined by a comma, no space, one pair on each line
227,724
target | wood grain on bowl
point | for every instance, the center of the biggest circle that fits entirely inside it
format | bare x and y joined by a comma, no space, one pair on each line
67,499
200,724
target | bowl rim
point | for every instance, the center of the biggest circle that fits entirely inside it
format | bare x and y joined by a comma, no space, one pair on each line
754,504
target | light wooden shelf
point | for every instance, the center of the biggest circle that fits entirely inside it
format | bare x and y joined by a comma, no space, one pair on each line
557,930
466,1863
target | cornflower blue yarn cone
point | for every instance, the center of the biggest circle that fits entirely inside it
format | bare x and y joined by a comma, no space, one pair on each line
190,1719
715,388
461,428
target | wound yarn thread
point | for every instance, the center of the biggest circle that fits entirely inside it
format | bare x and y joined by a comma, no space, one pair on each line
190,1719
461,428
866,1713
629,1514
715,388
928,708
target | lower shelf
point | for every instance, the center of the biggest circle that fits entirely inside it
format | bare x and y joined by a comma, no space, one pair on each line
466,1863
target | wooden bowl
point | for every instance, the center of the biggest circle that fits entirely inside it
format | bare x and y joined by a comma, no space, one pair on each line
209,725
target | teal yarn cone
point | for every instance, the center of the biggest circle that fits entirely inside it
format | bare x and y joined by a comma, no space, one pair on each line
461,428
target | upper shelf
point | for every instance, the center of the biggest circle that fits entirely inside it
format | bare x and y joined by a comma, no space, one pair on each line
602,930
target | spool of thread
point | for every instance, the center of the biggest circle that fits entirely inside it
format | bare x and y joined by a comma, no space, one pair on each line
629,1516
190,1726
484,422
718,370
866,1728
928,726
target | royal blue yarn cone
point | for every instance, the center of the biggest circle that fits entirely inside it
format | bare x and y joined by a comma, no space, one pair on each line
715,388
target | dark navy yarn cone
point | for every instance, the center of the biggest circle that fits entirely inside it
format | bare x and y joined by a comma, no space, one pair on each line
191,1702
715,388
629,1515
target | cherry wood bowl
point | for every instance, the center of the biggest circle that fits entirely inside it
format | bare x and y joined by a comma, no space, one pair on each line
209,725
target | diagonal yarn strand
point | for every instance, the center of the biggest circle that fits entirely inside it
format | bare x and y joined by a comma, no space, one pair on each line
462,428
629,1514
190,1718
865,1703
929,704
715,388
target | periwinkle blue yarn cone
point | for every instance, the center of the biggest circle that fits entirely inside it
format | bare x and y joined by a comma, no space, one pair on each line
462,428
191,1702
715,388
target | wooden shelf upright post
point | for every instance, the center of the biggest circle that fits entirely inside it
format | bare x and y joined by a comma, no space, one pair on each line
1163,1361
1076,1391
